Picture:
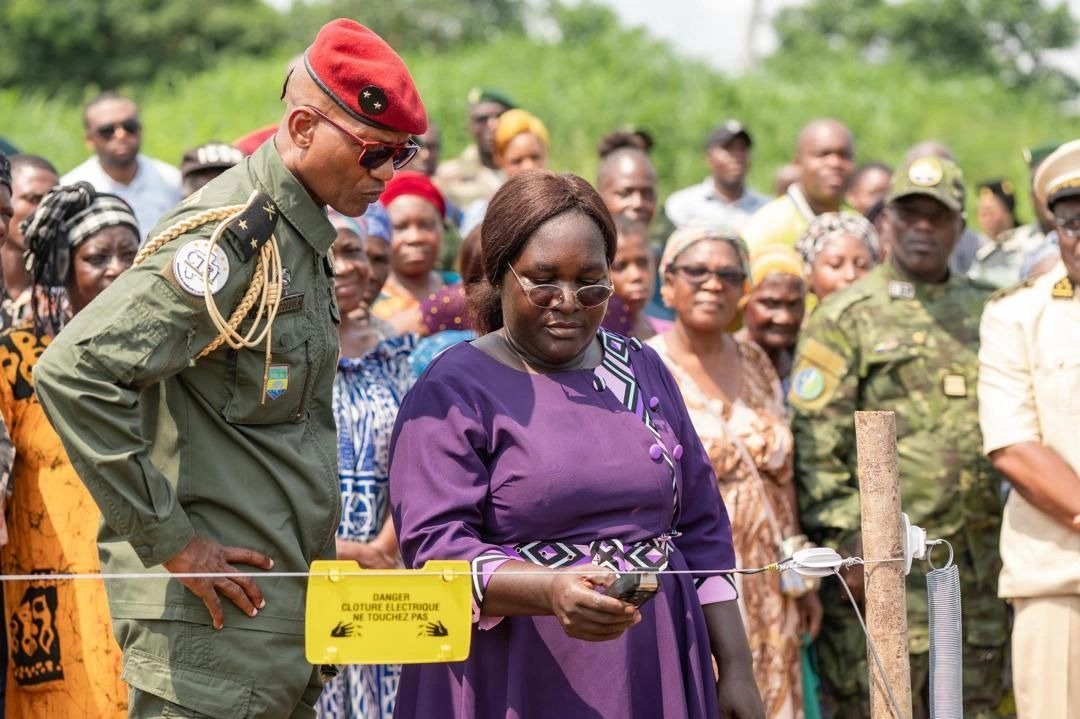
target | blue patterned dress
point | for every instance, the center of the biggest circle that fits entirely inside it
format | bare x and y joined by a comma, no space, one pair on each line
367,394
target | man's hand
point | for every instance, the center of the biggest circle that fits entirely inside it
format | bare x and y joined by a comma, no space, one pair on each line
205,556
367,554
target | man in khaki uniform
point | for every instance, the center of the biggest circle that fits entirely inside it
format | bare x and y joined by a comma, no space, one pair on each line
226,461
1029,410
473,175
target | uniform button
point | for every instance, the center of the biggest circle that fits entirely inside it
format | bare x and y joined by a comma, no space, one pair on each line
143,551
677,452
654,403
285,339
599,384
656,452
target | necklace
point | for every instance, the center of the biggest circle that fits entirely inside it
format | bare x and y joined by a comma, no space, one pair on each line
533,367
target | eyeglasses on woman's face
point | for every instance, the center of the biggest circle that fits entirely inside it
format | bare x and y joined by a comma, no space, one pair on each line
699,274
551,296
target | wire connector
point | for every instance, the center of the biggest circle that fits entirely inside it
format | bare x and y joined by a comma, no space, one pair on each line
815,561
914,543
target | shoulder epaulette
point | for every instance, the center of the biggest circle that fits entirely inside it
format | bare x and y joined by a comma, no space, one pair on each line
252,228
1011,289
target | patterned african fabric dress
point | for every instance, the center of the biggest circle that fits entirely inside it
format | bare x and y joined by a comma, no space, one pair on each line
367,394
591,466
754,429
63,660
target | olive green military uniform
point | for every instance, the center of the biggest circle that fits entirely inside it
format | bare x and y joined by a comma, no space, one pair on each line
887,343
170,446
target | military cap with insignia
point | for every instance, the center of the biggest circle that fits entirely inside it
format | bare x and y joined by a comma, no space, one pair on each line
1058,176
931,176
365,77
478,95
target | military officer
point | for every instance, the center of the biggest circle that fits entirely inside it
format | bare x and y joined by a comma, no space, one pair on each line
1029,403
193,396
905,338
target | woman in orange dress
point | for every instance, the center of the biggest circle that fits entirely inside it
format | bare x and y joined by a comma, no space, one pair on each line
63,659
733,396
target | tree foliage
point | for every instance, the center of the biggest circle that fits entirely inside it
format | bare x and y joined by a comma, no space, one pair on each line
1007,39
423,25
107,43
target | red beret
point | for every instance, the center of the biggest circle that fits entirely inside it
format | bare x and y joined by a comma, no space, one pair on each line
364,75
410,182
250,142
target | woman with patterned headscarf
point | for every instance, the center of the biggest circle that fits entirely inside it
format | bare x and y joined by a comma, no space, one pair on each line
64,661
735,403
838,248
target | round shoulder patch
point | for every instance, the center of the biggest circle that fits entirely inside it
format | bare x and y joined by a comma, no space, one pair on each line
190,265
926,172
808,384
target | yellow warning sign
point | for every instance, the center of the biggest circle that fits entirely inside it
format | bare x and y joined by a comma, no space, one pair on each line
403,616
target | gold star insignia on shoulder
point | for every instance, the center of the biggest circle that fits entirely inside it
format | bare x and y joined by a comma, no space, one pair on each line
1064,289
249,229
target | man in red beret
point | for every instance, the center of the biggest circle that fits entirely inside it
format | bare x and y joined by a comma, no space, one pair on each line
223,460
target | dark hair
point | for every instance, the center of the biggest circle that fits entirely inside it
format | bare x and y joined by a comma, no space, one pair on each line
624,139
867,167
102,97
35,161
516,212
628,227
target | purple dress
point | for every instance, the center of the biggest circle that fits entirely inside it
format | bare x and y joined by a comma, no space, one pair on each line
490,463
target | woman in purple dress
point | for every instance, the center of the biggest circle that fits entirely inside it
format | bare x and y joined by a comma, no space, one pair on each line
553,455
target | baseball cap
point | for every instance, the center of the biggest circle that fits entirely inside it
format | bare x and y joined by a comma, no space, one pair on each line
725,132
210,156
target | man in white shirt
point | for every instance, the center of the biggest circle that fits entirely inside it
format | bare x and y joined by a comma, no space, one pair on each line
114,132
1029,410
721,200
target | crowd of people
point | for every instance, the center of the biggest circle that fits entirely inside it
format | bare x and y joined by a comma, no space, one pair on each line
323,340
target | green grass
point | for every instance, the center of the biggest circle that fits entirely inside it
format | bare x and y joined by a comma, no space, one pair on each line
585,88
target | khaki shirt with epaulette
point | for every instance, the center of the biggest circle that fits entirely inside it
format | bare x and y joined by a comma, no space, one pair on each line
887,343
170,445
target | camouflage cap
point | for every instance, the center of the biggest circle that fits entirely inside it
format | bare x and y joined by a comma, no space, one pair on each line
932,176
1058,176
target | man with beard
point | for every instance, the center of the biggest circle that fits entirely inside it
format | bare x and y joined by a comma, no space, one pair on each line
824,154
722,199
905,338
114,132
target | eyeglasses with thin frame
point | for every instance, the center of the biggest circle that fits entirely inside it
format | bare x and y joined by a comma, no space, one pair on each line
131,126
699,275
551,296
1068,226
374,154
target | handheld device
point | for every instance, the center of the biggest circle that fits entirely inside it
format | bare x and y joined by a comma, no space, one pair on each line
635,589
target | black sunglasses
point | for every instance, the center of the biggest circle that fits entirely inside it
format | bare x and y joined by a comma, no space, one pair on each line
131,126
372,154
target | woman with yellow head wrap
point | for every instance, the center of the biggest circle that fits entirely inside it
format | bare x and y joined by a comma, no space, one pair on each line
773,310
521,143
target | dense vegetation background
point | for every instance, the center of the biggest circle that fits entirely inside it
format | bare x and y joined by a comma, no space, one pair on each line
584,76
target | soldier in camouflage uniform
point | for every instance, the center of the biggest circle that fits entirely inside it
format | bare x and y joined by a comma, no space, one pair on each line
905,338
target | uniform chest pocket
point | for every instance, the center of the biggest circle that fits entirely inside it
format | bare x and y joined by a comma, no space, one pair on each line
895,371
278,393
1057,383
